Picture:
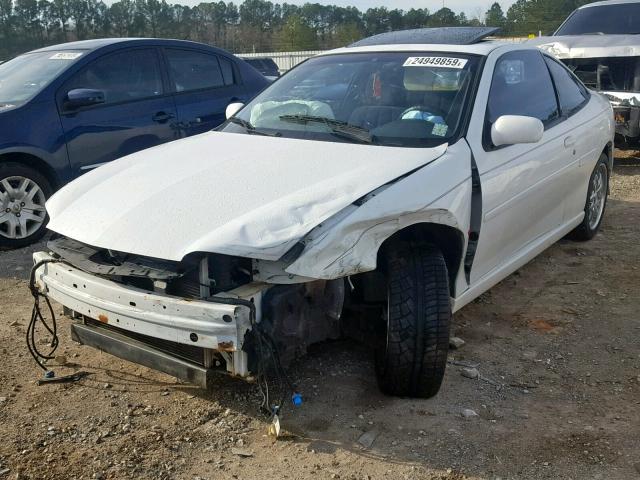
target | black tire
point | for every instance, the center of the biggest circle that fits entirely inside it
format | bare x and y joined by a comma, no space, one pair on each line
412,355
12,170
588,229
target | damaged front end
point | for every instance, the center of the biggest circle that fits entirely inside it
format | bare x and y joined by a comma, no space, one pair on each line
618,78
189,319
610,65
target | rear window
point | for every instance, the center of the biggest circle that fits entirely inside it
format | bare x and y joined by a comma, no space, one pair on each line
603,20
191,70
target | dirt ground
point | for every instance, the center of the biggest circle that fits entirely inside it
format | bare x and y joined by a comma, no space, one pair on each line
557,345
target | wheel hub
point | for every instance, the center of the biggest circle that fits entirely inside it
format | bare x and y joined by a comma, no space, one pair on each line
15,207
22,207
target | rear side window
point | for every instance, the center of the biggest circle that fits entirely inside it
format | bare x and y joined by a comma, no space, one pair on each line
192,70
571,94
227,71
521,85
124,76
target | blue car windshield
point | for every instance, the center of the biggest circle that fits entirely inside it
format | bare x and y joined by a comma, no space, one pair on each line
400,99
25,76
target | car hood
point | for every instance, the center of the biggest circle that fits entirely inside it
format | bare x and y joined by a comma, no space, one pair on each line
244,195
590,46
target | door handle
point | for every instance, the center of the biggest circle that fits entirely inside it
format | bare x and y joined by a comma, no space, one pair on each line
162,117
569,142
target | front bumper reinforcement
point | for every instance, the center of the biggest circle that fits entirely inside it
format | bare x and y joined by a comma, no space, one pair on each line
129,314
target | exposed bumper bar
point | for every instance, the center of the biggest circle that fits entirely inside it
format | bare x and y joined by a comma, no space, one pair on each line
198,323
140,353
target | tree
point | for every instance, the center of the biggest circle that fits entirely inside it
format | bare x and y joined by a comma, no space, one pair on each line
6,27
376,20
346,33
416,18
444,17
250,25
532,16
295,34
495,16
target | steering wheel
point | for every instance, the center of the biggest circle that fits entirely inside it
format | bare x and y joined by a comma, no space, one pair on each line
421,112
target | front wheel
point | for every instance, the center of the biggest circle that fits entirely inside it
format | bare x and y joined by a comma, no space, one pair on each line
596,202
23,193
412,353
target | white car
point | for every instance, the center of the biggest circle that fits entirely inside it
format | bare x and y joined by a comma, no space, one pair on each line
396,179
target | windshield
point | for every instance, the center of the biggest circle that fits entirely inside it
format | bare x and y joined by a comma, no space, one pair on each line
25,76
414,99
622,19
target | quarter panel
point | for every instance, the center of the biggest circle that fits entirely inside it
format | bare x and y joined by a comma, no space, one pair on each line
592,128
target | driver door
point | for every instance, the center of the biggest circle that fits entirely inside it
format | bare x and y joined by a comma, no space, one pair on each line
522,185
135,115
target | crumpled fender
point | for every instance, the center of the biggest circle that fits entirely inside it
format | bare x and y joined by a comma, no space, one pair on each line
437,193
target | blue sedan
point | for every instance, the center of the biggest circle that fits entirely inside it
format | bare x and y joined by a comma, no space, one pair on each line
69,108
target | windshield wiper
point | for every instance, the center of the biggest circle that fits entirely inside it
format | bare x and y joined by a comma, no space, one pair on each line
337,127
251,129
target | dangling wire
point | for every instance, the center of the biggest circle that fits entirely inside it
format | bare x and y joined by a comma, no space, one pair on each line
267,349
36,316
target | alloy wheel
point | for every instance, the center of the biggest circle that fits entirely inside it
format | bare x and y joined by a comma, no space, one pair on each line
598,195
22,210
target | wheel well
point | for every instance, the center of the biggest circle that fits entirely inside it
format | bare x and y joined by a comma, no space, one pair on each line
449,240
33,162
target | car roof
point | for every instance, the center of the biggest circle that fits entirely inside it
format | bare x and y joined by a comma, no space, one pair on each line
608,2
481,48
442,35
98,43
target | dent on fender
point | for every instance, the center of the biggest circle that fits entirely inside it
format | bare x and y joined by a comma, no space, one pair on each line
351,246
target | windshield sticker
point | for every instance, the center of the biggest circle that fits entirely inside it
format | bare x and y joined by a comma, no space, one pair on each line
441,62
65,56
440,130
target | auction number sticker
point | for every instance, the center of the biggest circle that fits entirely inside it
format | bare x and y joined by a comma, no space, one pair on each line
443,62
65,56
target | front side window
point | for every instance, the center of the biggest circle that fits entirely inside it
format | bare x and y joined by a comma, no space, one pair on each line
622,19
571,94
411,99
521,85
122,77
25,76
191,70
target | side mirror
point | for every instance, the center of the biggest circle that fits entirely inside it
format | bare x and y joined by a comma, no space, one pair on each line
516,129
83,97
233,108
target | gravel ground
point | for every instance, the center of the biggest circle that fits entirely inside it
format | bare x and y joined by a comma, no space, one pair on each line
557,347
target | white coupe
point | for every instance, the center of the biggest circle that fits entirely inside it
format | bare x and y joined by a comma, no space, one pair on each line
394,180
